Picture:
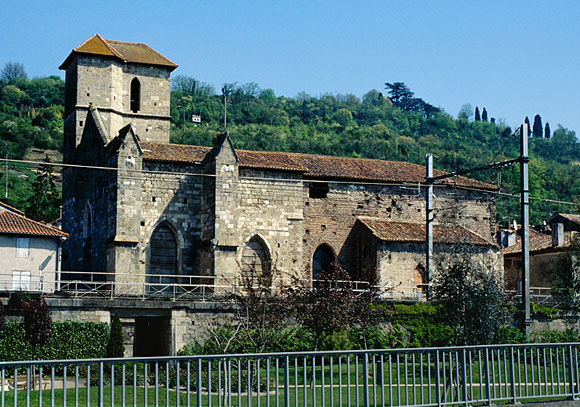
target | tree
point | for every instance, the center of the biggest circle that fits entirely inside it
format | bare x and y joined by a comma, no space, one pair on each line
566,281
472,297
13,71
398,93
477,115
37,322
527,121
466,112
115,346
484,115
547,133
43,204
2,315
538,128
327,308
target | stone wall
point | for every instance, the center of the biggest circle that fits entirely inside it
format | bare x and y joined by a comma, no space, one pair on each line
330,220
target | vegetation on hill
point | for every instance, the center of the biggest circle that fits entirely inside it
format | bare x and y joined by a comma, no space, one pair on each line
391,124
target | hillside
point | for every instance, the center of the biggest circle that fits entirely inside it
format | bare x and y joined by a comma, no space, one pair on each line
398,127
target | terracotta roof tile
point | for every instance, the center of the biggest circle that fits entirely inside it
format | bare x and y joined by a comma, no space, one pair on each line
127,51
568,216
538,242
10,208
404,232
313,166
13,223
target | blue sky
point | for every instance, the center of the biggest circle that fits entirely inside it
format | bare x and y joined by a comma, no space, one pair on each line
515,58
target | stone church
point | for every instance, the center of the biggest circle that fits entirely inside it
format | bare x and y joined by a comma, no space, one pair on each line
137,206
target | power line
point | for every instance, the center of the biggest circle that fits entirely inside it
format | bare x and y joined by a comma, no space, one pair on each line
413,186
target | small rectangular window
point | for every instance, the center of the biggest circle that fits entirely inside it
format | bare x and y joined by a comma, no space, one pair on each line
22,247
318,190
21,281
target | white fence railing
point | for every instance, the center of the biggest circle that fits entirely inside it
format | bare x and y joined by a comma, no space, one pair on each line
200,287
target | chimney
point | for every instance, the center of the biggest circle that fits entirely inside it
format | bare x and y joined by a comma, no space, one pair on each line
557,234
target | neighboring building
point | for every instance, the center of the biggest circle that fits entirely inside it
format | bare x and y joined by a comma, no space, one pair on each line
545,251
215,211
29,253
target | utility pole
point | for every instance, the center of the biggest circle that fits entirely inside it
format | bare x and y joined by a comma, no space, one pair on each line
429,218
525,217
6,176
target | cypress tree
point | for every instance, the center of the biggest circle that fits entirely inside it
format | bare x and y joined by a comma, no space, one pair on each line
115,347
547,132
477,116
537,130
484,115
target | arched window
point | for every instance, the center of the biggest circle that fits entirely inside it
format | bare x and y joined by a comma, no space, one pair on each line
255,256
87,234
321,261
163,255
135,95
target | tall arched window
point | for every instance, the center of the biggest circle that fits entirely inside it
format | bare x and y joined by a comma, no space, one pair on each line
255,256
163,256
87,234
321,261
135,95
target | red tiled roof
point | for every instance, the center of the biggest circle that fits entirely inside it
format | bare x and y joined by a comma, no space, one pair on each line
403,232
127,51
568,216
538,241
10,208
313,166
13,223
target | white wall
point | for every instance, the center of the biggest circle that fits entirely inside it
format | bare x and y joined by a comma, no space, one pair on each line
41,262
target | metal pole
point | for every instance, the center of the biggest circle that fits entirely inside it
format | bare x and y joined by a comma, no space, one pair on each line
6,176
429,219
525,218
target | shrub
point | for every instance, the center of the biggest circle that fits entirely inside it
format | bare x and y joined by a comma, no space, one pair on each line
68,340
115,347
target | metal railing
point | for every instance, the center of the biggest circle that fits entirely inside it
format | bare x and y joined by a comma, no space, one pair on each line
200,288
401,377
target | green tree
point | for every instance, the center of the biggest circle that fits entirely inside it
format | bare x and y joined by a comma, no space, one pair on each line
547,132
472,296
43,204
477,115
484,115
13,71
398,93
537,130
115,347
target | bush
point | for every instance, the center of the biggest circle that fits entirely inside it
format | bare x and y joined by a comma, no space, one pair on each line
68,340
115,347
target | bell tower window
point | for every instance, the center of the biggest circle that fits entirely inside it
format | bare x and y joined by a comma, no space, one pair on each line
135,95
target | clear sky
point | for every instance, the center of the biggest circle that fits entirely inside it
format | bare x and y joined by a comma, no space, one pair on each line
515,58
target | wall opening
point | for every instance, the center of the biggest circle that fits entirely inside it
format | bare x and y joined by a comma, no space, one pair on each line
162,258
152,336
135,95
318,190
321,261
255,256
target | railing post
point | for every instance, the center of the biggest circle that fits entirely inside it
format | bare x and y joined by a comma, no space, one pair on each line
464,376
286,381
198,382
365,380
437,379
571,374
100,388
487,384
513,376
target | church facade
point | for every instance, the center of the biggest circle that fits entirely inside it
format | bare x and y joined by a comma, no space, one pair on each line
137,207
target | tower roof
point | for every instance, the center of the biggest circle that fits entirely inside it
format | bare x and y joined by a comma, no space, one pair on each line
132,52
